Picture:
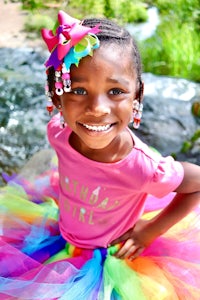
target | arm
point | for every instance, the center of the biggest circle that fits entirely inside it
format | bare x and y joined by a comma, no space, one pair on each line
144,232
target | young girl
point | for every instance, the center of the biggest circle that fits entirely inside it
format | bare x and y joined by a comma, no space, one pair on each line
128,217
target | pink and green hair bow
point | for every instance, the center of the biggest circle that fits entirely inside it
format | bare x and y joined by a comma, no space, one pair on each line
71,41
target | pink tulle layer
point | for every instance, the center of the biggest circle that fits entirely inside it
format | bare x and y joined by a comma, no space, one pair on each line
36,263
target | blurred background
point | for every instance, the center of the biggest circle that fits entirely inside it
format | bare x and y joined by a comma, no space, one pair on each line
167,34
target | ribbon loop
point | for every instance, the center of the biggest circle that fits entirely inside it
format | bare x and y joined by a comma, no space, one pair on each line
69,34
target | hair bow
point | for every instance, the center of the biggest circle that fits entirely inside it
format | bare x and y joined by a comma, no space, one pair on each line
71,41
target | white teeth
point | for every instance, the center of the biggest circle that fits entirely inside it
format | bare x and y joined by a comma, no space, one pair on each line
97,128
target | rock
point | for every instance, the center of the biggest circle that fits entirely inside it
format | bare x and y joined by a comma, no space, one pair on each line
167,119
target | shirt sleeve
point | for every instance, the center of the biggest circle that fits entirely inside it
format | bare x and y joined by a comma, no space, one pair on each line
166,178
53,128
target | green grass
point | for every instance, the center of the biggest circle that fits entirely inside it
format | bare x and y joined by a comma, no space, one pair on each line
35,22
187,145
174,50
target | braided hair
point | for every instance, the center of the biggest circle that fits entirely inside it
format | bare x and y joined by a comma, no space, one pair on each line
111,32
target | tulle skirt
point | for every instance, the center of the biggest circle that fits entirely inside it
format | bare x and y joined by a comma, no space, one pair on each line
37,263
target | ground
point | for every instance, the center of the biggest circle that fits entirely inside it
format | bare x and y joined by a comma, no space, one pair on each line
12,26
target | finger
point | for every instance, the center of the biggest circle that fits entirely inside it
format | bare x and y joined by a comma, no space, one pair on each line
136,253
126,249
123,238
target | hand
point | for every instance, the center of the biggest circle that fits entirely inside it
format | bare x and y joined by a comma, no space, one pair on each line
135,240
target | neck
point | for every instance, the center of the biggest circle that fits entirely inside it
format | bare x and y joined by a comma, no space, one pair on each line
118,149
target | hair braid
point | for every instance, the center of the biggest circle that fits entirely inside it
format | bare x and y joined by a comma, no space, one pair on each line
113,33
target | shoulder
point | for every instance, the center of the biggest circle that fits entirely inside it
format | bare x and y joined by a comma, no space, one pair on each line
53,123
149,153
144,151
54,130
161,172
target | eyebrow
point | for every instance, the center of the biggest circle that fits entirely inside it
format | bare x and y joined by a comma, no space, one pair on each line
110,80
120,81
78,79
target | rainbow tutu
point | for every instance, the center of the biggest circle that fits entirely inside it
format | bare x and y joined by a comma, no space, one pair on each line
37,263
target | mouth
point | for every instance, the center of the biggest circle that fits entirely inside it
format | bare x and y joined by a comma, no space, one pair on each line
97,128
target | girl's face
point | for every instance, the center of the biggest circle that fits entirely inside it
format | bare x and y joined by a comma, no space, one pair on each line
99,107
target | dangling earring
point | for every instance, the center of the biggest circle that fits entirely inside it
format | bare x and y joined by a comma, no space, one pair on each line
62,121
137,113
138,107
49,104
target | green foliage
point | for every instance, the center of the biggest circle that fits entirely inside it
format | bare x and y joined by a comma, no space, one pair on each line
32,4
174,49
89,8
187,11
108,9
125,11
195,136
35,22
132,11
187,145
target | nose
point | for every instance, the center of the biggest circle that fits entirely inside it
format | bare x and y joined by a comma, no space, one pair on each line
98,106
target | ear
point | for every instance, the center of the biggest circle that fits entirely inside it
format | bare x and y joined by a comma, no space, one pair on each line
56,101
140,91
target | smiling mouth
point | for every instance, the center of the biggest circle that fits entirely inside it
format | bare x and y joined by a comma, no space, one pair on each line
97,128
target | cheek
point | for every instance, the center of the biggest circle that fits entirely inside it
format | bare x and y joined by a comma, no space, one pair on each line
125,109
71,111
67,106
67,110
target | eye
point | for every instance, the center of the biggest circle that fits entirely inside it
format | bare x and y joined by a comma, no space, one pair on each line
115,91
79,91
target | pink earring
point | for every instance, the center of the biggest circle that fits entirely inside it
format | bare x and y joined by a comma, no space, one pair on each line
49,95
49,107
62,121
137,113
49,104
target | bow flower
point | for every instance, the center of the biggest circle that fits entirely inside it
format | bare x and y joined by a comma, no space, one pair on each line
70,38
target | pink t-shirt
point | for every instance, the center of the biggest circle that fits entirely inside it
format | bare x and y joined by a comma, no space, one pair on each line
100,201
